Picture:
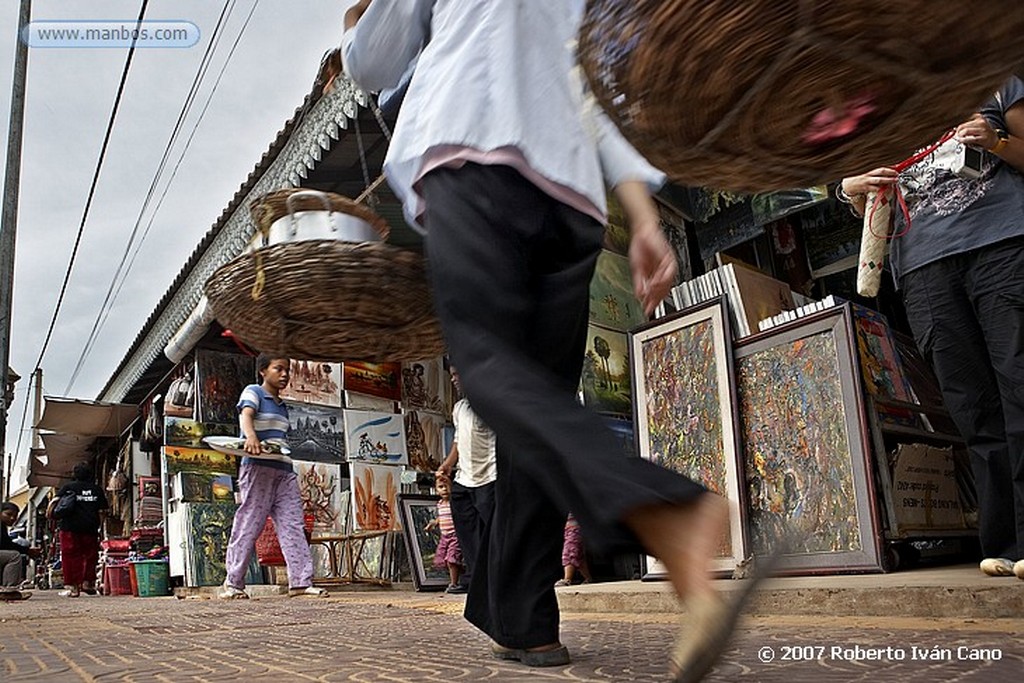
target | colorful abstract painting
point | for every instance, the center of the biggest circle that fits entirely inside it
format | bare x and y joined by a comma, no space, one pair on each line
881,369
374,379
605,378
424,438
375,437
375,497
804,455
316,433
612,302
314,382
320,491
685,412
426,385
221,378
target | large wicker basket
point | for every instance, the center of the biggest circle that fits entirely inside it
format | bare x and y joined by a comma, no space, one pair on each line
328,300
771,94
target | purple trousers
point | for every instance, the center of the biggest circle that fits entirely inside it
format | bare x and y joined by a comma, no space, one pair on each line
267,491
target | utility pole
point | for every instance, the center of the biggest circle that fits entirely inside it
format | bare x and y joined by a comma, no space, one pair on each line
9,217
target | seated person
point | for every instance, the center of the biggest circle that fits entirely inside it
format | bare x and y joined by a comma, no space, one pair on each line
12,554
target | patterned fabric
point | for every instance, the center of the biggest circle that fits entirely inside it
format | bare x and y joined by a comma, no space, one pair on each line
572,545
444,517
270,421
268,491
448,551
953,215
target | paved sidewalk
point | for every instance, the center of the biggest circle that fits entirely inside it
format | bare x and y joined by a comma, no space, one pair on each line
404,636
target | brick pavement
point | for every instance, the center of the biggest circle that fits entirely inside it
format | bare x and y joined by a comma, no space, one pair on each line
400,636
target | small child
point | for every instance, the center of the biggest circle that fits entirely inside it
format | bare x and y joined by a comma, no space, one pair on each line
573,555
448,551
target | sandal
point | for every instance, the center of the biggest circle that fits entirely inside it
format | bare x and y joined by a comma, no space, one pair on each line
307,592
70,593
709,621
562,582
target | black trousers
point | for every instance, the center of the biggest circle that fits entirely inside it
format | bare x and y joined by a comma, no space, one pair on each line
472,512
967,315
510,269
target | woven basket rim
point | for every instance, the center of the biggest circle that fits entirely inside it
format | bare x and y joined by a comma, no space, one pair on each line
270,207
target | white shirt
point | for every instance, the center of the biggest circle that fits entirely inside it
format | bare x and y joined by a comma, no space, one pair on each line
475,441
492,75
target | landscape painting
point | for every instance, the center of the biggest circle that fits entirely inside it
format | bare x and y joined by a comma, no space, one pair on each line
605,378
375,437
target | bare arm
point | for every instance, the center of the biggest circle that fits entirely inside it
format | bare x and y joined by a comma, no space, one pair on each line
245,421
449,463
857,187
650,256
979,132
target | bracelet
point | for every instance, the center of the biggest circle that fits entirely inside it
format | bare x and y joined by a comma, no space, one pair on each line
843,197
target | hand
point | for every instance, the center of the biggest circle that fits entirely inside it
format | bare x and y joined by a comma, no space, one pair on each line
977,132
653,263
872,181
443,472
252,445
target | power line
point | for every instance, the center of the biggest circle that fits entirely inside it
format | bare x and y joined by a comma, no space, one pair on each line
110,296
177,165
92,187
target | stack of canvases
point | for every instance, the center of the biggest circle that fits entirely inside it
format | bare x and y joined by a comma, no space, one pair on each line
395,422
317,444
201,505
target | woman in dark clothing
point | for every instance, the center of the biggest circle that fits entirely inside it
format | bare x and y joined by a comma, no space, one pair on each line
79,531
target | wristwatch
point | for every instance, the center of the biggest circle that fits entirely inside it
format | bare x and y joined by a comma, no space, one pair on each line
1004,137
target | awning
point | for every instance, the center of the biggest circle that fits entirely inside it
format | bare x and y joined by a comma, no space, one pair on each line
42,473
86,418
64,451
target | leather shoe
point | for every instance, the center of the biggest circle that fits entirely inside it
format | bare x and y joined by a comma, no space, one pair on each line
1018,569
558,656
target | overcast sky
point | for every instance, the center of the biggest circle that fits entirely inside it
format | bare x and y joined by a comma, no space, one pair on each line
70,93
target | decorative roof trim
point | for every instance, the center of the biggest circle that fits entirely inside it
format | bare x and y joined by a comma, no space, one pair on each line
314,132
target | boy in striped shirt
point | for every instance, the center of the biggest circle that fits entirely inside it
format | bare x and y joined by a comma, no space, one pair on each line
268,486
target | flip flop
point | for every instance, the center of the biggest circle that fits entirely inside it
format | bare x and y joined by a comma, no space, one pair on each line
14,596
709,621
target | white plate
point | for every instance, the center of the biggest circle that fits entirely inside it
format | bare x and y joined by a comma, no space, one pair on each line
232,445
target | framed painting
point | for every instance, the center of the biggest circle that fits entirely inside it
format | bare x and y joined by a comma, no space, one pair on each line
316,432
426,385
424,438
181,459
375,497
368,557
356,401
221,378
179,431
314,382
320,491
417,513
375,437
881,369
686,412
612,302
374,379
806,453
605,378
